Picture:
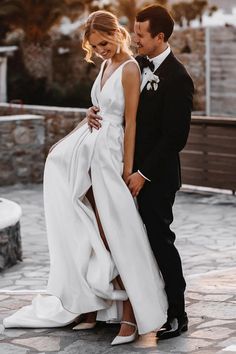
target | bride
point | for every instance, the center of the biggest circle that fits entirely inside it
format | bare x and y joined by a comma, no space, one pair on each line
102,265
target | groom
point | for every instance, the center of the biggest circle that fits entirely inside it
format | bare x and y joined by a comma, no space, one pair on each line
163,122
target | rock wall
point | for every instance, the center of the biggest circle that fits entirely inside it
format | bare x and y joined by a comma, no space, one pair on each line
22,144
26,135
223,71
189,47
57,121
10,246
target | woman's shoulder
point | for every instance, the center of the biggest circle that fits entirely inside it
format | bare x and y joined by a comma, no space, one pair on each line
130,66
131,73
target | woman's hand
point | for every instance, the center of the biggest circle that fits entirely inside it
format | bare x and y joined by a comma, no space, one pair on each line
93,118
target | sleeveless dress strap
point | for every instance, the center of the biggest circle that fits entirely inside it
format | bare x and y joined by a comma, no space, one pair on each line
131,61
121,65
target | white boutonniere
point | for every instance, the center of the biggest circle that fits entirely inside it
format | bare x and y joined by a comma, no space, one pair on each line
153,81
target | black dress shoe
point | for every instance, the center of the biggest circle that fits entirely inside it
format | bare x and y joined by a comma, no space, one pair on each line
173,327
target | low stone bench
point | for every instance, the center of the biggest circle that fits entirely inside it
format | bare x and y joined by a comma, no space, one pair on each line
10,238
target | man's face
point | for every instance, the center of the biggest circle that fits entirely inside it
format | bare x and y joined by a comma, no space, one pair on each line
146,45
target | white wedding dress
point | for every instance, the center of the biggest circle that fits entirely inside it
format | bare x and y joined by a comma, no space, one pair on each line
82,270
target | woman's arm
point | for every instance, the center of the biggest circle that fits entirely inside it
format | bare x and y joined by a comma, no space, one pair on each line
131,84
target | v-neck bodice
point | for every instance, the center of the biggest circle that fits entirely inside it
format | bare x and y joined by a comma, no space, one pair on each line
110,97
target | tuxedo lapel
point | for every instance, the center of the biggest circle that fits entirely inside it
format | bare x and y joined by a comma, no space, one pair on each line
163,70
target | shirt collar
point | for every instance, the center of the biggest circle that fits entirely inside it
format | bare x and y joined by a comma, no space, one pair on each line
158,60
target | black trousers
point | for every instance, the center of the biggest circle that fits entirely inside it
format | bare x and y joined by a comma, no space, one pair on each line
155,207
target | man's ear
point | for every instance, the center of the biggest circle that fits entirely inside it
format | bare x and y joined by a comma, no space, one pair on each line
160,36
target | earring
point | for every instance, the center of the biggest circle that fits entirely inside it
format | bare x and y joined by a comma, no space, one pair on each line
118,49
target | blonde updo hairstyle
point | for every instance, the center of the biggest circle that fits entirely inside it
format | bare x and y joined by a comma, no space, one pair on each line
108,26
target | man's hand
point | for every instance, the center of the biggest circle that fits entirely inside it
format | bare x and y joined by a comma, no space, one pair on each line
93,118
135,183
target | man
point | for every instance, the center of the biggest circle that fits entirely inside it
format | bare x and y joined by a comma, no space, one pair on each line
163,122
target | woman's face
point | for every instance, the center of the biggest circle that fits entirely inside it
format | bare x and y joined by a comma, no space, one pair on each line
102,46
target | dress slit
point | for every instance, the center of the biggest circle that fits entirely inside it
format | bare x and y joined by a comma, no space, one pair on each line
90,197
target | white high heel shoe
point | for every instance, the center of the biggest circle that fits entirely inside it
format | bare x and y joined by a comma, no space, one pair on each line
126,339
84,325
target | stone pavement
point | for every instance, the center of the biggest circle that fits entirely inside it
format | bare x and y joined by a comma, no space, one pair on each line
205,225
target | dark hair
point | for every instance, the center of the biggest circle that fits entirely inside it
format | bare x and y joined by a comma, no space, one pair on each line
159,19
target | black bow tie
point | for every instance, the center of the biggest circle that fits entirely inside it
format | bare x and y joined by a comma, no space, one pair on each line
144,62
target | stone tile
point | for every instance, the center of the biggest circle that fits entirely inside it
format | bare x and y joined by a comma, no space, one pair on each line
211,297
12,276
212,333
102,347
230,348
214,323
207,351
24,297
205,228
5,282
3,297
13,333
31,282
49,344
82,347
65,333
228,342
15,287
195,320
7,348
214,310
183,345
14,305
34,274
39,330
2,329
5,313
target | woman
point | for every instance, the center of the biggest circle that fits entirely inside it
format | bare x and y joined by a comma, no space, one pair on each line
100,255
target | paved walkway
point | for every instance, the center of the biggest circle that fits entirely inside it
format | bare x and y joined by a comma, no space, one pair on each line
205,225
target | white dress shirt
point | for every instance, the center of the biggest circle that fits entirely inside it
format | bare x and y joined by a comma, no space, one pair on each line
147,73
157,61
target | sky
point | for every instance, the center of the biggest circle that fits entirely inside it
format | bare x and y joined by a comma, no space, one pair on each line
219,18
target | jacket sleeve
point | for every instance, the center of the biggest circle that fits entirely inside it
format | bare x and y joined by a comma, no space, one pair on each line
176,118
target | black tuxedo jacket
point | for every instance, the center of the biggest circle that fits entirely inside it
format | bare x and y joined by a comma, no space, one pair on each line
163,123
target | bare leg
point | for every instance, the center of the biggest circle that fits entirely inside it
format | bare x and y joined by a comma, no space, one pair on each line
128,315
90,317
91,199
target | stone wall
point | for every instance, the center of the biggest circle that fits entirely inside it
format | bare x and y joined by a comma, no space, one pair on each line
26,135
10,237
223,71
189,47
22,149
58,121
10,246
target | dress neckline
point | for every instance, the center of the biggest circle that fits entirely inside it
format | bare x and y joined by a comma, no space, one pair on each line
101,87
